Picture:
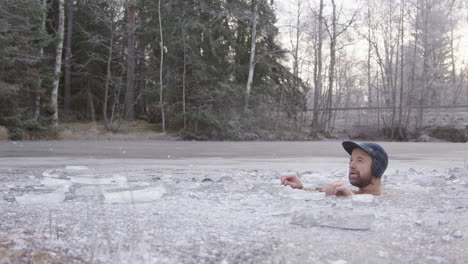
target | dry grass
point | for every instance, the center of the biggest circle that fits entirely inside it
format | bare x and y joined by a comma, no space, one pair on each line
135,130
3,133
8,254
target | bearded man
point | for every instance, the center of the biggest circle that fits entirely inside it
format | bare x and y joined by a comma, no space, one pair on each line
368,162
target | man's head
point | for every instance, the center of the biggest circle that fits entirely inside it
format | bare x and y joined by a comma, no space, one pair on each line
368,161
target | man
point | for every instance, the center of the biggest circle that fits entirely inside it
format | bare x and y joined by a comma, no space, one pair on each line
367,164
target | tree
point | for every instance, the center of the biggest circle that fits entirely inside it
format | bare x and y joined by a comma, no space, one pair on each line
318,71
58,60
385,38
434,28
369,50
333,32
253,41
191,71
161,64
24,74
39,91
129,98
99,59
109,121
68,55
401,130
296,32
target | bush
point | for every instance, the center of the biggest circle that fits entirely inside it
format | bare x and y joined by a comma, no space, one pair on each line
22,126
205,125
15,133
399,133
448,133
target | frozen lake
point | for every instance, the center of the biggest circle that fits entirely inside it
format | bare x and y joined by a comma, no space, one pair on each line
221,202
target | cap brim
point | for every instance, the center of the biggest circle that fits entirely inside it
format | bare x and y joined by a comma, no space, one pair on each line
349,146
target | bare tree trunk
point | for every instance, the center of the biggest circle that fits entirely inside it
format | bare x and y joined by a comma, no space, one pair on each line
183,77
58,62
68,55
400,117
331,69
91,109
116,112
413,69
161,44
452,57
318,71
141,101
296,55
280,106
37,101
252,54
394,77
333,33
394,80
108,124
296,46
129,97
466,77
369,85
379,111
425,65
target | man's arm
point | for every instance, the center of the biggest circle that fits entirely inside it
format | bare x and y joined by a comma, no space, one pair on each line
292,180
337,188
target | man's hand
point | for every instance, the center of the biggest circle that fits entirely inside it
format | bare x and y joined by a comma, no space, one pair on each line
337,188
292,180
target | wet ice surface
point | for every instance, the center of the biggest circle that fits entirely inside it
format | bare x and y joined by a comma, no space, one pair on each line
230,211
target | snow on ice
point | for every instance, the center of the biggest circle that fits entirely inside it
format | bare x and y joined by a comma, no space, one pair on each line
231,208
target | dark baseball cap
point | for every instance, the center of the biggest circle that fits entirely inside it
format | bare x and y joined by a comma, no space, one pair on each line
380,157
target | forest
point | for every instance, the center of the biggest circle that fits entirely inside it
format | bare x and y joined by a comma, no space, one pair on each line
230,69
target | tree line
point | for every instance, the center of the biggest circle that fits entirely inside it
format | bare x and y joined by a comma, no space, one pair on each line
190,66
214,69
409,59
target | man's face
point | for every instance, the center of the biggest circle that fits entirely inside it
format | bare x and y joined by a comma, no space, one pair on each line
360,168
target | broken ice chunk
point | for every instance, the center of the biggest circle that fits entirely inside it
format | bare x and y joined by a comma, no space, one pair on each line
363,198
340,261
41,198
76,168
52,174
131,196
56,183
94,180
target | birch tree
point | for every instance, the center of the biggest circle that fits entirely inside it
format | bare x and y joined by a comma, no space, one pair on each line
37,101
297,40
68,56
253,39
318,70
58,60
161,64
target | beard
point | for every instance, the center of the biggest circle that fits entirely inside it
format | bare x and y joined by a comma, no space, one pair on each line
357,180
